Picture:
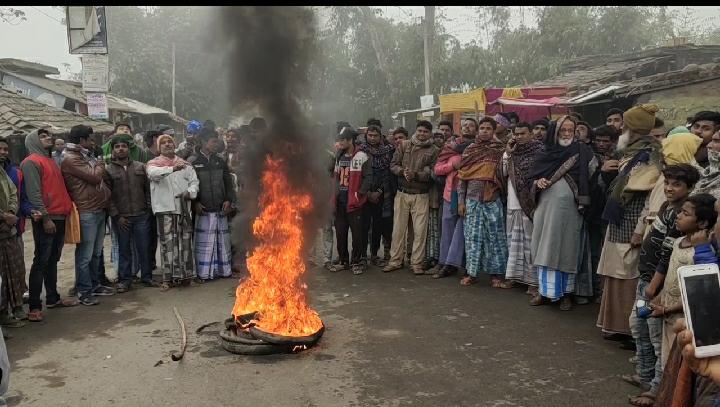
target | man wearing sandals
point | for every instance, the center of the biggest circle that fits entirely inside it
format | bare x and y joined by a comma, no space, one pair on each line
481,191
353,176
45,189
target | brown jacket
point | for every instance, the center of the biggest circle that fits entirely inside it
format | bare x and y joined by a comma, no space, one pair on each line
420,159
130,188
84,182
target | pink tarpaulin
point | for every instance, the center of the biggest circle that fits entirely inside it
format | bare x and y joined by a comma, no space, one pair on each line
535,104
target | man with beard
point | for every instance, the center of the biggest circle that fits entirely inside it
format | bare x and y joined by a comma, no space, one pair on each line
354,182
639,169
704,125
412,165
12,263
130,213
215,202
173,184
584,133
446,128
518,160
480,193
381,153
614,118
452,238
45,189
539,129
561,186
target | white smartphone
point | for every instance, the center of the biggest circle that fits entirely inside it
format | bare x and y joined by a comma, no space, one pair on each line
700,287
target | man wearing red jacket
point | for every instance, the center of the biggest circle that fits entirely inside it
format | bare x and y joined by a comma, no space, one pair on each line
353,176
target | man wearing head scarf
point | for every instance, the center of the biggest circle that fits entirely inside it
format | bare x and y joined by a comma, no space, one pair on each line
502,129
173,184
518,160
130,213
45,189
560,185
640,163
124,131
480,200
215,203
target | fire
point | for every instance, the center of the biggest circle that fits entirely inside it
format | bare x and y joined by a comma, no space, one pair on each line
274,289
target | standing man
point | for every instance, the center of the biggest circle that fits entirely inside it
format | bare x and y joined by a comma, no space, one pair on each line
518,161
151,150
412,164
84,178
187,147
445,127
614,118
45,189
452,238
215,202
502,128
539,129
173,184
58,148
381,153
704,125
354,177
480,193
130,212
12,264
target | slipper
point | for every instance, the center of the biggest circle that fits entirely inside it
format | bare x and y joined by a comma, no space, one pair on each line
35,315
469,280
646,399
65,302
507,284
635,381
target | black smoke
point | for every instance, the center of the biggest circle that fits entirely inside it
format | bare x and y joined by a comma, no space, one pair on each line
267,53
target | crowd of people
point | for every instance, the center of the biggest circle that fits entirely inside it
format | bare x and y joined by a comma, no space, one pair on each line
574,213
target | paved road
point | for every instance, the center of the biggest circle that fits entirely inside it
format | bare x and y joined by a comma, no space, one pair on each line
391,340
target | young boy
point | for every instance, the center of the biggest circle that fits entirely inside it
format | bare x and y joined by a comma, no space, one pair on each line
652,265
696,215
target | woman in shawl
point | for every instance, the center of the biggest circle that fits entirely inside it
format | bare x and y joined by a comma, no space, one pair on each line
480,193
517,162
638,171
710,176
561,187
173,183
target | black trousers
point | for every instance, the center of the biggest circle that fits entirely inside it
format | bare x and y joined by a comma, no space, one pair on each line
48,249
381,227
356,222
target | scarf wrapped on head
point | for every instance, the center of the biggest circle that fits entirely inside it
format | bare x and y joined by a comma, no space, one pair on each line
520,165
640,168
549,160
681,149
502,120
135,153
161,160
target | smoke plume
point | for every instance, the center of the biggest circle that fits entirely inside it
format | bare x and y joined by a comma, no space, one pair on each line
267,53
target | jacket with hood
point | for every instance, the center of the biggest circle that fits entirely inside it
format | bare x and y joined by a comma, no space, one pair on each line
42,181
84,181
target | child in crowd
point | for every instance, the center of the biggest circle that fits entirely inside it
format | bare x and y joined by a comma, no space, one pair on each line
696,217
655,254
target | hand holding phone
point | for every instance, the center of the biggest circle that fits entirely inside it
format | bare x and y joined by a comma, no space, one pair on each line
700,288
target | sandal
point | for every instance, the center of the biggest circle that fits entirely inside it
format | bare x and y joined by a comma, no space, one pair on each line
537,299
35,315
164,287
646,399
64,302
635,381
358,269
507,284
495,282
339,267
468,280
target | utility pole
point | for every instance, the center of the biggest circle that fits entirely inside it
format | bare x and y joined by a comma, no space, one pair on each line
429,31
173,78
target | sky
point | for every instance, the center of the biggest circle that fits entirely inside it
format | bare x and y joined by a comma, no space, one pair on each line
43,38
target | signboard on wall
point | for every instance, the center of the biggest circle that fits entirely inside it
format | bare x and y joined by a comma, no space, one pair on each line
97,105
87,29
95,73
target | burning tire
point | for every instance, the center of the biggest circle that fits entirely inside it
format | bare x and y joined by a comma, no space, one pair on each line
243,349
275,339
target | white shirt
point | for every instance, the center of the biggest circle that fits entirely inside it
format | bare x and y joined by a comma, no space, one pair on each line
165,185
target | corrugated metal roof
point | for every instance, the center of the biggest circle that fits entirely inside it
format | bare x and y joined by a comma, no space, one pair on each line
20,114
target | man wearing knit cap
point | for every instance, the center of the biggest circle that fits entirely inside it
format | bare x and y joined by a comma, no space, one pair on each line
640,163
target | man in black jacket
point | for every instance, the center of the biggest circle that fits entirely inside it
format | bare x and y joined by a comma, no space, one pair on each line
130,212
215,201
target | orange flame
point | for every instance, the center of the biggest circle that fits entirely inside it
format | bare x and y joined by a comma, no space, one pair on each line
274,289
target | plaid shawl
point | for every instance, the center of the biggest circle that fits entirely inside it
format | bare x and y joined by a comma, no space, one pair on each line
519,167
481,161
645,150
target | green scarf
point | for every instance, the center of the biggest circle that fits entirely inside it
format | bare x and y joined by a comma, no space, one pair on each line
135,153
